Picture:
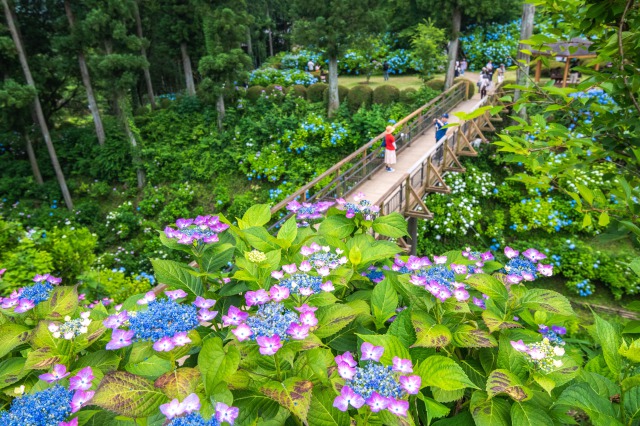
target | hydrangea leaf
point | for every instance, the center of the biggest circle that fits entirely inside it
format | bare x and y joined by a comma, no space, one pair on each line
547,300
429,334
179,383
216,362
254,406
12,370
294,394
62,301
337,226
503,382
257,215
392,225
392,346
150,368
467,336
599,409
332,319
528,414
177,277
489,411
610,342
384,301
288,231
444,373
103,360
495,322
402,328
490,286
323,413
128,395
13,335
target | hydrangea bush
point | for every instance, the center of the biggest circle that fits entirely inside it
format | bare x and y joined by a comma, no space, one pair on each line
316,325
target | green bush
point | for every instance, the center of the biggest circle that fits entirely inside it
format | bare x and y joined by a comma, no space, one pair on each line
343,92
315,92
436,84
408,95
359,96
472,85
72,250
386,94
143,110
299,90
254,93
165,103
25,261
113,284
275,88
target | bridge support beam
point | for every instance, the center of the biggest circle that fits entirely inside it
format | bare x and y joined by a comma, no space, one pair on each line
413,234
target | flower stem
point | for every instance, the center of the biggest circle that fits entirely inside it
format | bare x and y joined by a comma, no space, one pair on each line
277,362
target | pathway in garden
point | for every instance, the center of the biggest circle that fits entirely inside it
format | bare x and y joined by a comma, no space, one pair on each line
382,181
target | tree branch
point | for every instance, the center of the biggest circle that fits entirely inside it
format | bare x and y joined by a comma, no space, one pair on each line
621,51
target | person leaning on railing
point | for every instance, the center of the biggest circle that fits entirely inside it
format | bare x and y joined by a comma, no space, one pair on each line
440,123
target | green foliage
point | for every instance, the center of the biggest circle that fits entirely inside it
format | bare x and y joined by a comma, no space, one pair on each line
113,284
315,92
386,94
436,84
254,92
343,93
359,96
427,43
299,90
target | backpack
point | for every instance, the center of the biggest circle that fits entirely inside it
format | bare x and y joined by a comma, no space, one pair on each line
384,142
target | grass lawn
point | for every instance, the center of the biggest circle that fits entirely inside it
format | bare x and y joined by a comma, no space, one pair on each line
401,82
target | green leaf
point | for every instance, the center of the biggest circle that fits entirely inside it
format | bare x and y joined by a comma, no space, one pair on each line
526,414
150,368
632,403
630,382
610,342
289,230
254,406
585,192
600,384
392,346
496,322
467,336
490,286
632,327
402,328
384,301
392,225
257,215
13,335
294,394
443,373
216,258
62,301
435,410
462,419
599,409
502,381
428,333
355,256
603,220
103,360
548,301
12,370
510,359
632,351
323,413
489,411
334,318
217,363
177,276
260,239
128,395
337,226
178,383
379,250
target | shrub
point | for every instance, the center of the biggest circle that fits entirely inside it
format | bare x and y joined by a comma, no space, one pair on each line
114,284
386,94
343,92
143,110
358,96
299,90
436,84
254,92
266,76
408,95
315,92
472,85
165,103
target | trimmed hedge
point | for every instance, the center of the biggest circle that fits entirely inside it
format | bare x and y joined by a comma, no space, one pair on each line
472,85
386,94
275,88
408,95
315,92
436,84
254,93
299,90
358,96
343,92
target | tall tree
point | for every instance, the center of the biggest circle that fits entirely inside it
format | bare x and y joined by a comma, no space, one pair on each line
86,77
526,31
225,29
37,106
143,52
331,25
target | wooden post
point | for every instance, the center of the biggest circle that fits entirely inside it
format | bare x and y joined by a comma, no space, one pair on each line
413,234
597,67
538,71
407,202
566,71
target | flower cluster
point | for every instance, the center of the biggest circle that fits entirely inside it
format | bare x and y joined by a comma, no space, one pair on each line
272,323
438,279
553,333
543,355
80,383
201,230
26,298
584,288
71,327
525,267
185,413
375,274
309,211
359,206
49,407
379,386
256,256
165,322
267,76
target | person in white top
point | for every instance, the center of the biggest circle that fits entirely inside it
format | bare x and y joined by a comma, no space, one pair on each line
311,66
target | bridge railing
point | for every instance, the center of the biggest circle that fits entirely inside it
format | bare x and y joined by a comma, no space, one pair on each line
339,180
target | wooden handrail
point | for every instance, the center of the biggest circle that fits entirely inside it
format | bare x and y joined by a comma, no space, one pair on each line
337,166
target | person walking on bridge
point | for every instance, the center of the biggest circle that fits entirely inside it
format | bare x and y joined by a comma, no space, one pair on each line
440,123
389,148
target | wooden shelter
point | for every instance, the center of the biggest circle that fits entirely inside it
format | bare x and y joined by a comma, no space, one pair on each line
576,48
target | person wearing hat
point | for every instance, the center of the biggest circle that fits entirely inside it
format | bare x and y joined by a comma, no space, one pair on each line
440,123
389,148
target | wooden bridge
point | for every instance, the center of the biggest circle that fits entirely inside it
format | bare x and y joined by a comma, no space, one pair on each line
421,164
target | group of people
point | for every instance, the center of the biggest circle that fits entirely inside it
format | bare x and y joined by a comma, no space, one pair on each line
311,67
486,77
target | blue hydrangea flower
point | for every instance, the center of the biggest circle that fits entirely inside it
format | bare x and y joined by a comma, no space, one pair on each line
194,419
271,319
375,377
163,318
302,281
45,408
39,292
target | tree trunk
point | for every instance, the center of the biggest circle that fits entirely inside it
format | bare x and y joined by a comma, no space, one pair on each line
453,47
334,100
220,109
32,158
250,46
123,116
86,81
41,120
143,52
522,75
188,72
269,33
